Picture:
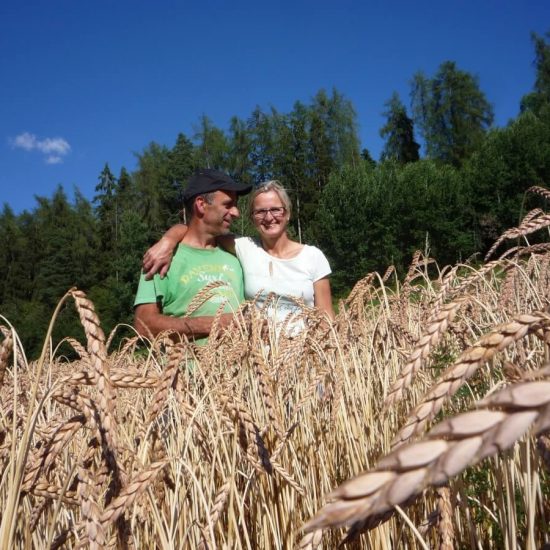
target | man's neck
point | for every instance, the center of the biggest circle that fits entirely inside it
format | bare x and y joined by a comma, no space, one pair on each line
197,237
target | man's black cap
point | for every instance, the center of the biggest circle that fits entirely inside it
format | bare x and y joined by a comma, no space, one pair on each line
207,180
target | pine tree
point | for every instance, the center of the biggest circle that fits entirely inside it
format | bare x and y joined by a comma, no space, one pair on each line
540,97
238,162
451,111
13,257
57,227
367,157
212,146
261,152
156,194
107,210
182,159
399,133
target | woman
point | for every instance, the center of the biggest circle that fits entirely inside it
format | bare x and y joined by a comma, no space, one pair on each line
271,264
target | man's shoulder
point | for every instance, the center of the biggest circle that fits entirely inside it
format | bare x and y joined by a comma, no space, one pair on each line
186,256
149,290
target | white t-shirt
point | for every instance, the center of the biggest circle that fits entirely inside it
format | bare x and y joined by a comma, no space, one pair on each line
294,277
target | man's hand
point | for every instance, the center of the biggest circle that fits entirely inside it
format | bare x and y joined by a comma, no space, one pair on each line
149,321
158,258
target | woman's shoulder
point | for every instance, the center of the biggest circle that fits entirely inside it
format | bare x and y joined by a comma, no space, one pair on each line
312,250
247,244
248,241
316,259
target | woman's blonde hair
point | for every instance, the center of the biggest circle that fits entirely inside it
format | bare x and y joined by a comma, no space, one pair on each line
271,185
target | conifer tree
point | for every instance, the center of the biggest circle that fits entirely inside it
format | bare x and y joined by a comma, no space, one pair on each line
239,163
156,193
260,130
367,157
107,210
399,133
540,97
212,146
451,112
182,161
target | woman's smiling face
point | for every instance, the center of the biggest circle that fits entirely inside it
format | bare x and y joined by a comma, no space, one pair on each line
269,214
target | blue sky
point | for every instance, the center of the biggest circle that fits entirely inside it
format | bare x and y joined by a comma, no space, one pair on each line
84,83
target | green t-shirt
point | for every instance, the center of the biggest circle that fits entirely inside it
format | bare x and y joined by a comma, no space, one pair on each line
190,271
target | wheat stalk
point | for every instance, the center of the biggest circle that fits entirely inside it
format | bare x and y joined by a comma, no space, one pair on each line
5,352
445,518
437,325
90,511
534,221
203,296
98,359
130,492
165,382
465,366
447,450
538,190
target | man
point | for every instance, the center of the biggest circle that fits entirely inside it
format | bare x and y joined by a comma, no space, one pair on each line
161,304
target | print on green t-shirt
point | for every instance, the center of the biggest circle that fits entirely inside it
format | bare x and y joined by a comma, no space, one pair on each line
191,270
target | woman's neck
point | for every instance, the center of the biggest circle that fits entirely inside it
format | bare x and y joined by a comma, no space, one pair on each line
281,247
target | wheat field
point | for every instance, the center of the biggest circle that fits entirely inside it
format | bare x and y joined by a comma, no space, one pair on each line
419,419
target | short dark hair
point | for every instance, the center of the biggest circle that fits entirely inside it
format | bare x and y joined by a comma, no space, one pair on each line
189,210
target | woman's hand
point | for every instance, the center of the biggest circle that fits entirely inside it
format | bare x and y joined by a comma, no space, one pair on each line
158,258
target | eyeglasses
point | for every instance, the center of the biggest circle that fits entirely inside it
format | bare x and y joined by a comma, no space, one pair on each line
276,212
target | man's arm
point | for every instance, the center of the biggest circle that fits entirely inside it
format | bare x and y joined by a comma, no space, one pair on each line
158,258
149,320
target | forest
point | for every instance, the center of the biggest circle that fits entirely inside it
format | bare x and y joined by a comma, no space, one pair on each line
448,183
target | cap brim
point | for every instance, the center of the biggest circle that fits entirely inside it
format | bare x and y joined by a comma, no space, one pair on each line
239,188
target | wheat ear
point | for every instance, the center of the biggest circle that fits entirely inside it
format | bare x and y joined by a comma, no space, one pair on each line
543,446
78,347
5,351
216,511
447,450
533,222
44,458
90,511
203,296
538,190
98,359
130,492
465,367
311,541
165,383
437,326
266,385
445,518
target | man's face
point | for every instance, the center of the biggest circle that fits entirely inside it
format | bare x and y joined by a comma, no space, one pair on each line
221,212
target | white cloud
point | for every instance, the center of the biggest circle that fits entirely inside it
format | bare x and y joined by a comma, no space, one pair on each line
52,159
53,149
25,141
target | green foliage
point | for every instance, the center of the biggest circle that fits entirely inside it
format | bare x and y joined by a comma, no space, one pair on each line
371,218
539,98
399,133
451,112
507,163
366,156
212,146
364,215
158,193
351,225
